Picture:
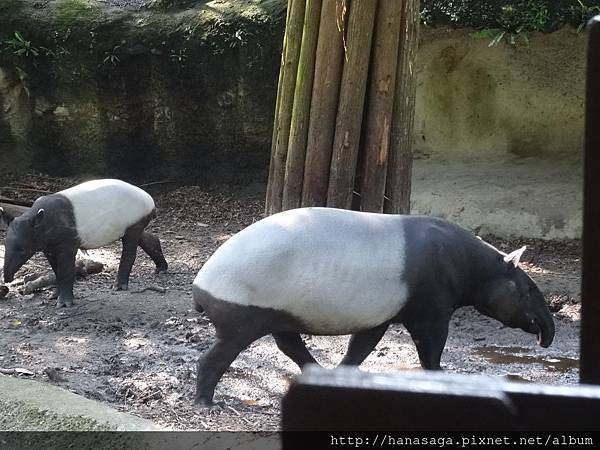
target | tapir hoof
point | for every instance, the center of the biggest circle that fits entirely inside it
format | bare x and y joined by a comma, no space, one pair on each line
120,286
203,402
161,269
64,302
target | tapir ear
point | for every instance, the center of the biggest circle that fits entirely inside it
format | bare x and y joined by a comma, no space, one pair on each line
5,217
39,217
514,257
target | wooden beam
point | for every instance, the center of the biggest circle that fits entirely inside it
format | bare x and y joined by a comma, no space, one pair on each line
590,293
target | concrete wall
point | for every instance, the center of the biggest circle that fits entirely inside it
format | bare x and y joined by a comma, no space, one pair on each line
499,133
479,101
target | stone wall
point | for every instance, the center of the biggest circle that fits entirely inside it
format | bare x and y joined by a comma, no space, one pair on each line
186,95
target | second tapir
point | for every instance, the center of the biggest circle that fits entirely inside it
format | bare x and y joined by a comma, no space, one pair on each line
330,272
86,216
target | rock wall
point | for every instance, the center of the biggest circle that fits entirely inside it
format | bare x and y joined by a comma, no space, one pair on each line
145,95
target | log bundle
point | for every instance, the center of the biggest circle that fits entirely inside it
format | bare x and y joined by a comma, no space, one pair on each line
343,124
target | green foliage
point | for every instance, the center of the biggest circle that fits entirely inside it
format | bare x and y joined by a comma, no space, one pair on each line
509,19
71,12
19,46
582,13
112,56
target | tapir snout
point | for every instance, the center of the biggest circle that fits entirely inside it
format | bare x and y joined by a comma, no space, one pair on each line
542,325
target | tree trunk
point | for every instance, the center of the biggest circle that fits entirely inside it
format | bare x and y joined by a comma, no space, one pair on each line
380,105
294,168
285,100
401,149
276,117
323,108
352,99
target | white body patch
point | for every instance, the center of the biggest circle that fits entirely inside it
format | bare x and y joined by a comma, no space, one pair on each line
337,271
104,209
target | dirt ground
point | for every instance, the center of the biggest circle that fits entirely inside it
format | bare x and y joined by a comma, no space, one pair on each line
136,351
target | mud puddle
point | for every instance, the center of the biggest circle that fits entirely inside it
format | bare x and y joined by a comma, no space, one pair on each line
517,357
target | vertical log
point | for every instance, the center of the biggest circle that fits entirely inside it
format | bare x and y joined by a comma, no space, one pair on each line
324,101
401,149
380,104
590,294
352,99
285,98
294,167
276,116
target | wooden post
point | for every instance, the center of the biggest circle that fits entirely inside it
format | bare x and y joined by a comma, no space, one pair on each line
401,145
352,99
294,167
589,371
380,105
285,99
324,102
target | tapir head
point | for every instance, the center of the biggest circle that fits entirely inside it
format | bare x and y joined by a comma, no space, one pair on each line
514,299
22,242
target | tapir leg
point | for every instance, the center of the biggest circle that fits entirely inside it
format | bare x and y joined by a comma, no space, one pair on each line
131,240
63,264
429,337
213,364
294,348
151,245
362,344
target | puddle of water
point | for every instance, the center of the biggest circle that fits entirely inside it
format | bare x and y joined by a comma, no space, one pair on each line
519,355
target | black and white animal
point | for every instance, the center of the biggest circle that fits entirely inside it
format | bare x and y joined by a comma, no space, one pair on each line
86,216
327,271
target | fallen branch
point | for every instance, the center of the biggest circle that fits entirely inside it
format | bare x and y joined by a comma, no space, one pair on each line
83,268
154,396
158,289
153,183
235,411
12,201
16,370
11,188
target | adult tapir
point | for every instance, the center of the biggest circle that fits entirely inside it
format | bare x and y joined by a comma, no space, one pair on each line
86,216
330,272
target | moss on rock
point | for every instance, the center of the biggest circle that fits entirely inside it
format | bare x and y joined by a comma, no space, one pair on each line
144,94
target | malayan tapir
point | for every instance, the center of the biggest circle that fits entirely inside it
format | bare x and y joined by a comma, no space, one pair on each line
327,271
86,216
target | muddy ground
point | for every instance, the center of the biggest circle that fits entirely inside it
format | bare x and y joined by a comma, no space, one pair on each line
136,351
